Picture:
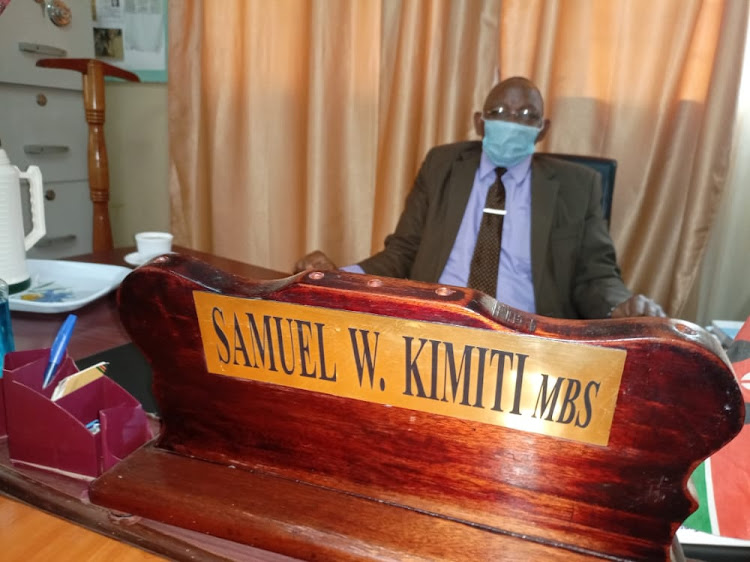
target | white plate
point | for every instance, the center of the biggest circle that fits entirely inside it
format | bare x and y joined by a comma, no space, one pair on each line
62,286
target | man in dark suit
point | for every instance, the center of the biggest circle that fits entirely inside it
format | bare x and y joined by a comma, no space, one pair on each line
556,257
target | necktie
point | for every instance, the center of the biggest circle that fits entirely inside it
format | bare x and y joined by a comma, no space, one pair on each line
484,263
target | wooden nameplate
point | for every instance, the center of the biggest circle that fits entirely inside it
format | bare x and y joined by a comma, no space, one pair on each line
339,416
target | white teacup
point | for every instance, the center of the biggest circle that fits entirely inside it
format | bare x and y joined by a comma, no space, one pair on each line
150,244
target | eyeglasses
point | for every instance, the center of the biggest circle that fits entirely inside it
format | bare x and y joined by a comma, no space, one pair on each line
525,115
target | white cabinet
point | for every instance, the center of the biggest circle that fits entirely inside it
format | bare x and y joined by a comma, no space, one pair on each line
65,237
42,120
53,136
25,25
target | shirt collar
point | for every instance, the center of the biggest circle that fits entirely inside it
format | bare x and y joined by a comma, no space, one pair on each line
517,172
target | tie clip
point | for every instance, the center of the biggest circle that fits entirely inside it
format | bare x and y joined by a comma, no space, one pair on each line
494,211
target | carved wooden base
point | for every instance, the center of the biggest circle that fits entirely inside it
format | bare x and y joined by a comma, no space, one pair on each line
298,519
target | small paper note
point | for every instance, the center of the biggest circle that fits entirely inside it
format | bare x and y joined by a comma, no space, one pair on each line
73,382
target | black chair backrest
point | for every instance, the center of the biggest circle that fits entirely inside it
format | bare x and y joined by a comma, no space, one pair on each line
607,168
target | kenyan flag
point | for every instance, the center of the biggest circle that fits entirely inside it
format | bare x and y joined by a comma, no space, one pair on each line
722,482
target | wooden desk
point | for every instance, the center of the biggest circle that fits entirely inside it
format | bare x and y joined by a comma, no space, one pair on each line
29,534
101,328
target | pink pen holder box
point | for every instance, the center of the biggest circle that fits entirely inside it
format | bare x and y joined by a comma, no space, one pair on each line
53,435
3,430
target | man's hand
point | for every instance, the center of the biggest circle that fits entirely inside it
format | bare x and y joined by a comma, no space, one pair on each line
314,260
637,305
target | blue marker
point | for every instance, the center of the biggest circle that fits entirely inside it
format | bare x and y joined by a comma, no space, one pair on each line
59,346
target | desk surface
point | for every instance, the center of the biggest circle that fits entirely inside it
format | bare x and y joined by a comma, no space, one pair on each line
27,533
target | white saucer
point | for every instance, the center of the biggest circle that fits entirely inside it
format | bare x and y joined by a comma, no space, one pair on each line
135,259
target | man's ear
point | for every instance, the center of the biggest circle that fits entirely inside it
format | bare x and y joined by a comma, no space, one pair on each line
542,131
479,123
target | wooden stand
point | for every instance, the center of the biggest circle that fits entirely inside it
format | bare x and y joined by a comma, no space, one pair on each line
328,463
93,72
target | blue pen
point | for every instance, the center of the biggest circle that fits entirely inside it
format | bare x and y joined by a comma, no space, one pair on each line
57,351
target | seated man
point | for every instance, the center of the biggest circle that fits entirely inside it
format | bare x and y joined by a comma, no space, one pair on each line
493,216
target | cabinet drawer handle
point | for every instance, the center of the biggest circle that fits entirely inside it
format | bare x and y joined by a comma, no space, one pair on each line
38,49
46,242
45,148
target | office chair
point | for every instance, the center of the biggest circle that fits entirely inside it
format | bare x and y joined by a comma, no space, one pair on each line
607,168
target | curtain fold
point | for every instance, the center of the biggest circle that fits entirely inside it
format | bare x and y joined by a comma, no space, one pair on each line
654,85
273,108
724,289
189,204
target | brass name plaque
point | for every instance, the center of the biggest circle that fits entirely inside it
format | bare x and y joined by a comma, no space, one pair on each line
528,383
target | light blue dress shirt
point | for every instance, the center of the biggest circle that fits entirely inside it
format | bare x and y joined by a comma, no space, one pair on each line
514,284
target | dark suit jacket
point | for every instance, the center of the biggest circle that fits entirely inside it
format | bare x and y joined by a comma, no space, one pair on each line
574,269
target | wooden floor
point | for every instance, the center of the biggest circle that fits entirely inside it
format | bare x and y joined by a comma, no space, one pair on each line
28,534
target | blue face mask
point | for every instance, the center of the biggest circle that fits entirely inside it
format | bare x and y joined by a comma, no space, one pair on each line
506,143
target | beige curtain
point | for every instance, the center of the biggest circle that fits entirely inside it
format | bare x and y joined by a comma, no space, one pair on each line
299,124
273,125
725,277
653,84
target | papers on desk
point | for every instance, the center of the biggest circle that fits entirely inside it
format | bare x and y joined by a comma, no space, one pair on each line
725,330
691,536
73,382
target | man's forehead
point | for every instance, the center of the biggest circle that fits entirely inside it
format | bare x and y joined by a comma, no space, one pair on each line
513,93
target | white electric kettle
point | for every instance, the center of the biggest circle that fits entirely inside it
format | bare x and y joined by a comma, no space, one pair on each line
13,243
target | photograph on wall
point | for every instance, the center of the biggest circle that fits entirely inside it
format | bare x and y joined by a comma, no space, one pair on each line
108,43
132,35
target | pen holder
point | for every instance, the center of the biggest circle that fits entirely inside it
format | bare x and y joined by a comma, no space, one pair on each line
12,362
53,435
3,429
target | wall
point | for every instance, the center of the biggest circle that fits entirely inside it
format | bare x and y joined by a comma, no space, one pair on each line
137,148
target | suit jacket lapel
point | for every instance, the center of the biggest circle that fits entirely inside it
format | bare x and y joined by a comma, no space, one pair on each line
544,188
457,192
